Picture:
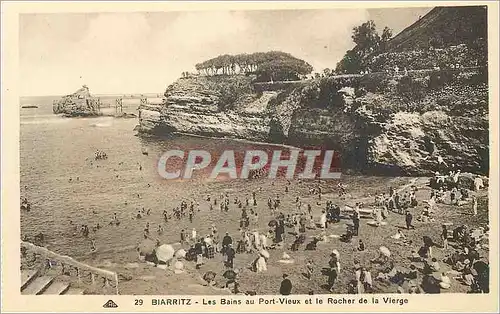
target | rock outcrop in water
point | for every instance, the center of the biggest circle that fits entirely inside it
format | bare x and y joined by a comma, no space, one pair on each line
394,123
79,104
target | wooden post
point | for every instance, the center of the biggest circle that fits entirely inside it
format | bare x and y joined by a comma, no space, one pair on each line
116,280
119,105
78,275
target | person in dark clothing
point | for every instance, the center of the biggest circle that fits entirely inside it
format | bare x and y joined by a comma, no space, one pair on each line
230,254
280,230
361,246
198,248
333,271
336,213
355,221
226,241
286,285
408,219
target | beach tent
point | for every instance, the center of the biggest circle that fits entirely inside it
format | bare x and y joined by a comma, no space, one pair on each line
178,267
181,253
385,251
229,274
147,247
165,252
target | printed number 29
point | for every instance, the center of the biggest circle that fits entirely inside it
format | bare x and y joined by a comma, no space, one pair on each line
138,301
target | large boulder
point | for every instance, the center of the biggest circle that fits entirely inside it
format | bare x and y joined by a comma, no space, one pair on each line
79,103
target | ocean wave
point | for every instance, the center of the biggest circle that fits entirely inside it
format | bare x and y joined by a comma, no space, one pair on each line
44,121
102,123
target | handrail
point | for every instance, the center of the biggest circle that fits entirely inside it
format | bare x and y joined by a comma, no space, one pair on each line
107,274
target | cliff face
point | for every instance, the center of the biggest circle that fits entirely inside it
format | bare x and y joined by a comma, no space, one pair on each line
375,130
80,103
193,105
393,123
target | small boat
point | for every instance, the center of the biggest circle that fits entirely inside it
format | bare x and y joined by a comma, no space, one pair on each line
29,107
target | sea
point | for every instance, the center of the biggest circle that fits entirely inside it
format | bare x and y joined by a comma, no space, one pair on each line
67,187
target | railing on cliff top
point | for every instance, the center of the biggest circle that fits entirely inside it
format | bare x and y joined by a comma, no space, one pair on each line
279,85
82,269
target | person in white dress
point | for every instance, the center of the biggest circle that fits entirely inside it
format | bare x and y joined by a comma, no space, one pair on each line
256,237
263,241
261,264
445,281
322,220
478,183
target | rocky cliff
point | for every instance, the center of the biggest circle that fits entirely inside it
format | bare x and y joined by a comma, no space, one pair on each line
194,106
80,103
386,122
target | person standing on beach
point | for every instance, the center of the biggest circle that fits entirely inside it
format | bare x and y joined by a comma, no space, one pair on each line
444,236
408,220
226,241
474,205
183,236
198,247
230,254
309,269
193,234
92,245
355,221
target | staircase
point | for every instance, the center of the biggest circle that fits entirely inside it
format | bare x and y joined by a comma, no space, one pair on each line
34,283
44,272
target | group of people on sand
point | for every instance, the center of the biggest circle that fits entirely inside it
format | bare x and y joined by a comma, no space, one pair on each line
25,205
415,279
100,155
299,221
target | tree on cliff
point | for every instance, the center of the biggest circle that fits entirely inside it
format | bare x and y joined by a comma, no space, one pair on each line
367,41
276,65
282,69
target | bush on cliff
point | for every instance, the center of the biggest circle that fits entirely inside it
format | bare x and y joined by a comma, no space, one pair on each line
231,89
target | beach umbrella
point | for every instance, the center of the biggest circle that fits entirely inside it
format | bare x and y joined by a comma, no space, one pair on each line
385,251
264,253
229,274
146,247
209,276
165,252
272,223
181,253
481,267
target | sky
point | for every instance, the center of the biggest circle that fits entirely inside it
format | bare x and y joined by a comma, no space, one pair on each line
145,52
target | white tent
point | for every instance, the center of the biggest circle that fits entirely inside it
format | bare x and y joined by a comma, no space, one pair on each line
165,252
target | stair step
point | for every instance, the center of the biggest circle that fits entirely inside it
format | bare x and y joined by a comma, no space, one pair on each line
27,276
74,291
38,285
58,287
